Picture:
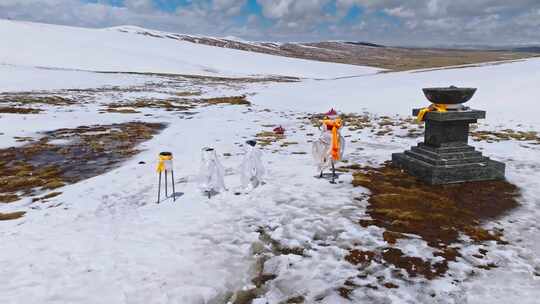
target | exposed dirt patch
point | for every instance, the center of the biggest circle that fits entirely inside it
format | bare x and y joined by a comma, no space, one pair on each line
438,214
232,100
267,138
25,98
402,204
172,104
185,94
414,265
11,216
8,198
504,135
46,197
19,110
121,110
67,156
356,256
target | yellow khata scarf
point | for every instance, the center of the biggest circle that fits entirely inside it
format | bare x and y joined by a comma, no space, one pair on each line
335,125
439,107
161,163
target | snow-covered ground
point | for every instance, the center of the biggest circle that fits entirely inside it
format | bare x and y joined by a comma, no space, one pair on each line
35,44
104,240
506,91
17,78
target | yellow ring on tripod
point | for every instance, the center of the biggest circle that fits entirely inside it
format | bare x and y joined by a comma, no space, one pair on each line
161,164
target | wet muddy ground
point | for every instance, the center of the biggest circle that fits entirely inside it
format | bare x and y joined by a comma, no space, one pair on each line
66,156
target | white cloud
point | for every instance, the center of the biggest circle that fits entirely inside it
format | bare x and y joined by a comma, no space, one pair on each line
139,5
400,11
407,21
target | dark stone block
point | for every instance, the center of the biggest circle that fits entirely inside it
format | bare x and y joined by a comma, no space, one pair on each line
445,157
446,133
437,174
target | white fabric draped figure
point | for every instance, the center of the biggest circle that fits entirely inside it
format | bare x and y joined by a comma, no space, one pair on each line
211,174
329,147
322,149
252,169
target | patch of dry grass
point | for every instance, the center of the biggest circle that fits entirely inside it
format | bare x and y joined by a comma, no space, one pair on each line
267,138
173,104
185,94
11,216
438,214
31,98
232,100
402,204
121,110
46,197
504,135
19,110
9,198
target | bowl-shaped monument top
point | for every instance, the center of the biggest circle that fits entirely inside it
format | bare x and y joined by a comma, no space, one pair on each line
449,95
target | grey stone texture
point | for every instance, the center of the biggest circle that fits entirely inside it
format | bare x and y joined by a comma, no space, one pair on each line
445,156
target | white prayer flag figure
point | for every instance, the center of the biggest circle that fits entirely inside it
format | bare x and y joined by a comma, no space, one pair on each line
211,174
322,149
252,169
329,148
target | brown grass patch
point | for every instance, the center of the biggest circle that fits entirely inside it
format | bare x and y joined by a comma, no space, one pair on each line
288,143
438,214
183,94
19,110
11,216
232,100
401,204
414,266
46,197
30,98
267,138
504,135
9,198
356,256
173,104
121,111
40,166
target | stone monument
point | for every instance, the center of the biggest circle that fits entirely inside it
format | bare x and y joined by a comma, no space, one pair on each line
445,156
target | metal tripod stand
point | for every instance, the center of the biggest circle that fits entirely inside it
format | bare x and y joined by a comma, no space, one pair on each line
165,165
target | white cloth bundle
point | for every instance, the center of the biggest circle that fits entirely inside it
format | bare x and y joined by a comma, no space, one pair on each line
252,169
211,174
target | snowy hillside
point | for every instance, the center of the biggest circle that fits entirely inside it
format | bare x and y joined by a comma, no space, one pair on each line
35,44
347,52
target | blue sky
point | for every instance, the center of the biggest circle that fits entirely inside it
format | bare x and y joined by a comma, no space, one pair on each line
394,22
249,7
